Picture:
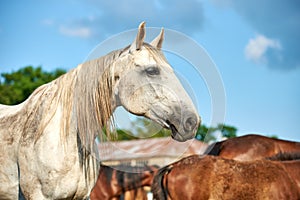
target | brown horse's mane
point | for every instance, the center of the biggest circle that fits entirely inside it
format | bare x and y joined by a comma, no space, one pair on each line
158,187
214,149
284,156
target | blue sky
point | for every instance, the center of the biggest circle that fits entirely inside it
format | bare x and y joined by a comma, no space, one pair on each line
254,44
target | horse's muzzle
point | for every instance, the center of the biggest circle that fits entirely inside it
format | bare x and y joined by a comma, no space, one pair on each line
187,129
191,123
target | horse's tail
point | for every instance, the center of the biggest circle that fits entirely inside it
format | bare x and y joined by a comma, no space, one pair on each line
214,149
158,188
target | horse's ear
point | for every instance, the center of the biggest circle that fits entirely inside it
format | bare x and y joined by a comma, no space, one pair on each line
157,42
138,43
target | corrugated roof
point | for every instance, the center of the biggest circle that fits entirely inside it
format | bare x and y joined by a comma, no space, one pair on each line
146,148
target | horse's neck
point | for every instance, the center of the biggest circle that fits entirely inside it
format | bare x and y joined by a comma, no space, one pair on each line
136,180
147,179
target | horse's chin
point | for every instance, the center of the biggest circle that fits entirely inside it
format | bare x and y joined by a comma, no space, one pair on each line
180,138
177,133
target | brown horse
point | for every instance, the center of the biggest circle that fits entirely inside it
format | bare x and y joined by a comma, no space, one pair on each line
256,147
114,181
252,147
212,177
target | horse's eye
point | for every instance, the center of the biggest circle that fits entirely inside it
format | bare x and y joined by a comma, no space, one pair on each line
152,71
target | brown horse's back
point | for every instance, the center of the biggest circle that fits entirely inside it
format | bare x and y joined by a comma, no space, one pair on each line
217,178
292,167
252,147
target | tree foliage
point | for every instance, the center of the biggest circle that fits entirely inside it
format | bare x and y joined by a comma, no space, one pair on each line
207,134
204,133
141,128
15,87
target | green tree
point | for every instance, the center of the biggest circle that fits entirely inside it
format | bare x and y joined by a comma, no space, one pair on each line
227,131
143,128
125,135
15,87
273,136
204,133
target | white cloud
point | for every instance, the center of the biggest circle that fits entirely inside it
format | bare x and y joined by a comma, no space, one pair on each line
275,19
257,48
82,32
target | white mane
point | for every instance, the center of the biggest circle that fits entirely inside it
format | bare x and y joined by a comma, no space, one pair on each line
84,95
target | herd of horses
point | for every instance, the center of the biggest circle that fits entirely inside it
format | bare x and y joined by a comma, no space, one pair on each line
246,167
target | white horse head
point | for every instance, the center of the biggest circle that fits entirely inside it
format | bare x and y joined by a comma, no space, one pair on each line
145,85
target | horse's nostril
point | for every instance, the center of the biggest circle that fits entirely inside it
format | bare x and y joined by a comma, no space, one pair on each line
190,123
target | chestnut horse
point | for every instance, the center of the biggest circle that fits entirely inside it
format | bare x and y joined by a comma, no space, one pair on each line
212,177
253,147
256,147
114,181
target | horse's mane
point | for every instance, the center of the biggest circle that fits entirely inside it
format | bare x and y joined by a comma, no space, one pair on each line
214,148
85,92
159,189
284,156
92,100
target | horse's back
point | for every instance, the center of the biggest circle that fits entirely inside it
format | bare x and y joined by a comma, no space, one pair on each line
218,178
292,167
252,147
